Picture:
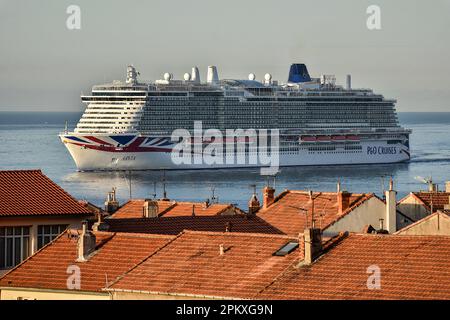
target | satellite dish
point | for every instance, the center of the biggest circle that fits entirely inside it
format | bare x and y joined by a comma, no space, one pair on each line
187,76
251,76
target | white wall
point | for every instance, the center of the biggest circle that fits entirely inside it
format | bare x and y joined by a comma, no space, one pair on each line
368,212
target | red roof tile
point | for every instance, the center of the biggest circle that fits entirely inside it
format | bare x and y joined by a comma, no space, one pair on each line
116,253
175,225
30,192
292,209
439,199
133,209
192,265
411,267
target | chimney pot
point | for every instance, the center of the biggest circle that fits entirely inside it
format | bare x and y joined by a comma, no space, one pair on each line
111,203
86,243
312,244
269,196
343,199
150,208
253,205
221,250
391,208
447,186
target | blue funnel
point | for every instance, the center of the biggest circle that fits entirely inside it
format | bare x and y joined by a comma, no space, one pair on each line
298,73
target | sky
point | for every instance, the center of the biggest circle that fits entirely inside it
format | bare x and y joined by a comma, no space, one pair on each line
44,66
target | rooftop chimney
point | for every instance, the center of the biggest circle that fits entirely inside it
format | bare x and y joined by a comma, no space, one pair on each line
221,250
95,226
382,230
111,203
312,244
212,76
86,243
447,189
150,208
343,199
253,205
432,187
268,196
391,208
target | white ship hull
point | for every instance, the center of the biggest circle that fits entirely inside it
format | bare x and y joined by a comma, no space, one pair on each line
102,152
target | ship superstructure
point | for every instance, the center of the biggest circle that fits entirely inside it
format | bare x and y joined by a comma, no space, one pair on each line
128,125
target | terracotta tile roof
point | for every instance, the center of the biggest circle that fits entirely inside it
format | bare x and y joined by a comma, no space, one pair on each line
412,267
288,213
116,253
439,199
30,192
175,225
192,265
133,209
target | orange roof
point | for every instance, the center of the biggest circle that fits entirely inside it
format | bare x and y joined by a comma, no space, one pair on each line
30,192
192,265
175,225
116,253
292,209
133,209
411,267
439,199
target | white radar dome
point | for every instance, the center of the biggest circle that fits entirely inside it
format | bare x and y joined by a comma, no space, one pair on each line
267,77
251,76
187,76
167,76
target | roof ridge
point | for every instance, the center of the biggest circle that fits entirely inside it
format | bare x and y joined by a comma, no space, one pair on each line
399,236
19,170
143,235
248,234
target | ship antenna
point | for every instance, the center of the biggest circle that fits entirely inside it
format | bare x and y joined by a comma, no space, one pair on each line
154,190
213,196
164,184
312,208
382,185
66,129
129,178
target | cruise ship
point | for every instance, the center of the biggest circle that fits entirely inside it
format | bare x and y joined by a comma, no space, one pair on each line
129,125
